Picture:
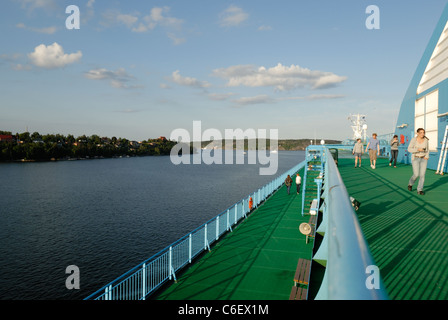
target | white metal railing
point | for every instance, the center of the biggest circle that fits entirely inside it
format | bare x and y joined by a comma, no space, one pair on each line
142,280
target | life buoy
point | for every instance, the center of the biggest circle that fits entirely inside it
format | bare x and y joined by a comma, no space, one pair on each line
251,203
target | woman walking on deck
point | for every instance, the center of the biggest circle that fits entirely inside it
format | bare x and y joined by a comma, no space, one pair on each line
394,150
419,148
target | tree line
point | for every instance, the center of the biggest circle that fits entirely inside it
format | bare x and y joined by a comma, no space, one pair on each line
36,147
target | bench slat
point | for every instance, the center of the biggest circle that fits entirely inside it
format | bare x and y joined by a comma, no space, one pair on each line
293,294
303,271
298,293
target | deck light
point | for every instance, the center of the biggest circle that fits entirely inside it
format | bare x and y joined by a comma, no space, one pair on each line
305,229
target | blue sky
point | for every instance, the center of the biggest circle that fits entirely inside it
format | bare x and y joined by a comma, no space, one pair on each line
140,69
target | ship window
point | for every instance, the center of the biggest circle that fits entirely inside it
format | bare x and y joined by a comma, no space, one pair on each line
426,109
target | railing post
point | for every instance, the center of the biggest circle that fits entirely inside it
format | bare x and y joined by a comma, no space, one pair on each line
144,282
170,261
189,248
243,207
256,198
206,245
217,227
236,213
205,236
106,293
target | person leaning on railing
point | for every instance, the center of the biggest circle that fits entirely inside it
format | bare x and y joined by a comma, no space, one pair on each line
419,147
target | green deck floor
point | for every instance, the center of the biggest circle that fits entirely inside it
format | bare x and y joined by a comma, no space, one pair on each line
256,261
407,233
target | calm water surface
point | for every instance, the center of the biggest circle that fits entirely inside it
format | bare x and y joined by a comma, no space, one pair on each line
106,216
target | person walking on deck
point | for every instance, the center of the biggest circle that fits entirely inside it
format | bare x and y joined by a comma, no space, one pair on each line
298,182
374,149
419,147
394,150
288,182
357,151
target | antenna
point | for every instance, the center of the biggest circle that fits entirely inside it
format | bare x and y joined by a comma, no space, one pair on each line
359,126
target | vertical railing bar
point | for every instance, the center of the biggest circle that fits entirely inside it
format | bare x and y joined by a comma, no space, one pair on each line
144,281
217,227
189,248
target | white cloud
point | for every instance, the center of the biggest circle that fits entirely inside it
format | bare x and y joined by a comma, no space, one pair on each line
220,96
47,30
127,19
37,4
261,99
264,28
316,97
187,81
253,100
164,86
88,13
114,17
175,39
158,17
52,56
20,67
117,79
282,78
233,16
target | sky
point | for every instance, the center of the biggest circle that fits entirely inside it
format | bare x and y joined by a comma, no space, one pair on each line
141,69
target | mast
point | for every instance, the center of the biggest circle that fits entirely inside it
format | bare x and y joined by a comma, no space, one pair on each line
359,126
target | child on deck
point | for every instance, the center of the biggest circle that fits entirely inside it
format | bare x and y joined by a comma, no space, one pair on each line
358,151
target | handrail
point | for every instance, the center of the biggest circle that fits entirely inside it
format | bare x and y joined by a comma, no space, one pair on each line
145,278
349,260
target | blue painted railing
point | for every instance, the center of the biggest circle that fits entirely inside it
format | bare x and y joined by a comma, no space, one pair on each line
350,271
144,279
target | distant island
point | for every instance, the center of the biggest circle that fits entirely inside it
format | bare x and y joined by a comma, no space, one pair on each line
36,147
283,144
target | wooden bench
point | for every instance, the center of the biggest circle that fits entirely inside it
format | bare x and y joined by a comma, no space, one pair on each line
314,208
302,275
298,293
313,220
